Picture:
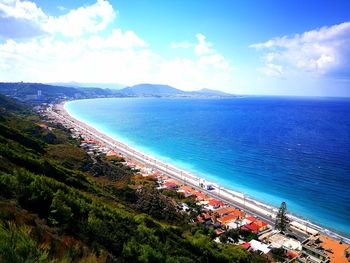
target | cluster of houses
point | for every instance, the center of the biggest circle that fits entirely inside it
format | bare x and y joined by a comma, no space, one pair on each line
222,217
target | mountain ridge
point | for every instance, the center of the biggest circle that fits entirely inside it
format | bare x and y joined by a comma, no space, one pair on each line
73,84
40,92
161,90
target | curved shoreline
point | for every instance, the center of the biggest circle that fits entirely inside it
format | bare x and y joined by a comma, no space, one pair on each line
240,200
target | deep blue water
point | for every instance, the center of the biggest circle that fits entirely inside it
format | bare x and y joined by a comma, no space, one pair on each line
272,148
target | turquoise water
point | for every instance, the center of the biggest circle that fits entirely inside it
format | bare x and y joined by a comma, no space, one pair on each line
272,148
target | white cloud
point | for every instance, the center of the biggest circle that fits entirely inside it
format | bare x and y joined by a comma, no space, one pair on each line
271,70
86,19
94,50
116,40
209,69
203,47
20,19
319,52
21,9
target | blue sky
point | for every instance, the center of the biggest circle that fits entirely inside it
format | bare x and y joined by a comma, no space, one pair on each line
244,47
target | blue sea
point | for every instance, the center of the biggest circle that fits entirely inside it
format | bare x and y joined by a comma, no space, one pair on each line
274,149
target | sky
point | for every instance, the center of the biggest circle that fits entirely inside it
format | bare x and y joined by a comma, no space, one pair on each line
262,47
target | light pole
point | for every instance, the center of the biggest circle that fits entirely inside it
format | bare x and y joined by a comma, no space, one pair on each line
244,201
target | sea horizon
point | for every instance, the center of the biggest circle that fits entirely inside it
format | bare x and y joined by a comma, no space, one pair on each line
270,198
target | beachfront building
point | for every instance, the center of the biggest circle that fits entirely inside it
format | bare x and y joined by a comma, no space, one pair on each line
313,252
257,246
304,229
255,225
229,210
226,220
214,204
278,240
337,251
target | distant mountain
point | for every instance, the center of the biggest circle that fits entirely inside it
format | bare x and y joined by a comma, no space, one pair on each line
157,90
151,90
211,92
22,89
73,84
38,92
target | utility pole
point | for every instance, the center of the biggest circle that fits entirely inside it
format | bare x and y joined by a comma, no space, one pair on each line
244,201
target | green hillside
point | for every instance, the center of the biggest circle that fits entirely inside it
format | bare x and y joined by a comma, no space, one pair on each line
52,208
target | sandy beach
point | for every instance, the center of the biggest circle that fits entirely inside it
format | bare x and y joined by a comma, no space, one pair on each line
239,200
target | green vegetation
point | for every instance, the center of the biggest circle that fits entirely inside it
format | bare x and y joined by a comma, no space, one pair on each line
278,254
58,205
281,218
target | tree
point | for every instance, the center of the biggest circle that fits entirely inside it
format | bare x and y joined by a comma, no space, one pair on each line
159,206
60,213
278,254
281,218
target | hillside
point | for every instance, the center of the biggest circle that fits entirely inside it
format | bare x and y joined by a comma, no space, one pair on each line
112,86
7,104
151,90
156,90
211,92
38,92
57,204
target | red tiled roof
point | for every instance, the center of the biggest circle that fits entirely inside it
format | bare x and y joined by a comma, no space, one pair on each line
214,202
219,231
246,245
251,218
187,189
229,210
292,254
228,218
174,181
254,228
200,196
260,223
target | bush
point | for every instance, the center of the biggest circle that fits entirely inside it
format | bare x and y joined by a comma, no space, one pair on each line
16,245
